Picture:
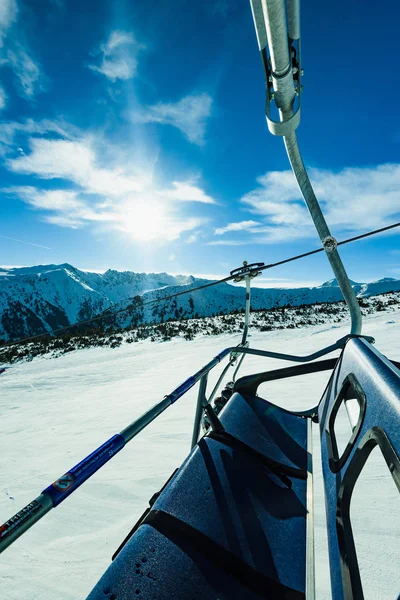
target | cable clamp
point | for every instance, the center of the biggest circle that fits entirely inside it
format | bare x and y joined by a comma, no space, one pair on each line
235,355
329,243
247,270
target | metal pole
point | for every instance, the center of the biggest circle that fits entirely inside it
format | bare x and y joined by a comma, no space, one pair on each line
281,63
238,367
220,378
247,311
201,402
322,228
58,491
293,12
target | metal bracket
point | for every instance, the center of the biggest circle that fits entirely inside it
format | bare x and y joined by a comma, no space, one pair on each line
247,270
289,124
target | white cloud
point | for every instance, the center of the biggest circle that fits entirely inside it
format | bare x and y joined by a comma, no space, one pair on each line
3,98
186,191
8,15
48,199
192,239
9,130
353,199
27,72
69,208
241,226
13,133
189,114
74,160
113,197
16,55
231,242
119,56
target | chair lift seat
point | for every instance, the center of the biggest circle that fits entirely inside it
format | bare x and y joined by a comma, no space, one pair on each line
225,526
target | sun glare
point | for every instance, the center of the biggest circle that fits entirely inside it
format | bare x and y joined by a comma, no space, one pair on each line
145,221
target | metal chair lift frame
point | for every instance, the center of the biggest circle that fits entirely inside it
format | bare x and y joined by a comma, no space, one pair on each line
360,373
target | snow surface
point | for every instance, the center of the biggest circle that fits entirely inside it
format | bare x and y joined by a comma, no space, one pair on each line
56,411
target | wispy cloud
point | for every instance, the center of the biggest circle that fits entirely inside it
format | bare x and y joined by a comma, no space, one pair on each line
27,72
16,55
353,199
8,15
188,191
189,115
117,196
3,98
118,56
193,237
230,243
240,226
12,131
6,237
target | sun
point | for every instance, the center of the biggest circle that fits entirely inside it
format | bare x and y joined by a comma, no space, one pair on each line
145,221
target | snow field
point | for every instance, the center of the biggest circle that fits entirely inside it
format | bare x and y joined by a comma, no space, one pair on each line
56,411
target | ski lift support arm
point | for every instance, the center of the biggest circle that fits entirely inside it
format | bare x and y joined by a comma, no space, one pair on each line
279,46
246,273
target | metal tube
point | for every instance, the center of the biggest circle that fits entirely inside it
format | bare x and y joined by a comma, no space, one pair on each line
282,78
24,519
134,428
220,378
293,14
249,383
259,23
292,357
247,311
323,230
201,402
310,550
238,367
275,25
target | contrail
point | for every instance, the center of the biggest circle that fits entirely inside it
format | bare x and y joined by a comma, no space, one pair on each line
23,242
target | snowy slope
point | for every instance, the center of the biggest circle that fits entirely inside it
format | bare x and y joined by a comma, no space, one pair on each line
56,411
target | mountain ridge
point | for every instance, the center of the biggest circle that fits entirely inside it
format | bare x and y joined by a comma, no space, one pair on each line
41,298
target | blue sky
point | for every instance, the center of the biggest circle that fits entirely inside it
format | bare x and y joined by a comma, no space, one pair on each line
133,136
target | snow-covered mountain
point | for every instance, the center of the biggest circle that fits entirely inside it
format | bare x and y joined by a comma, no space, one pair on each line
226,298
37,299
